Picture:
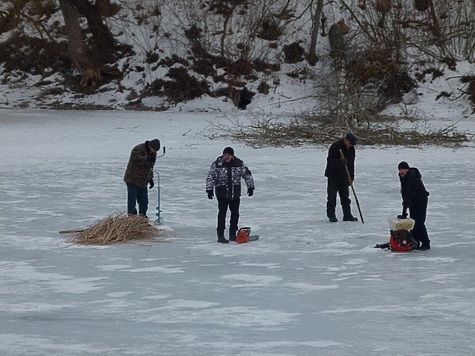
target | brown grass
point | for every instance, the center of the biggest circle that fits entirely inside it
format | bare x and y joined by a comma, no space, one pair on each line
117,228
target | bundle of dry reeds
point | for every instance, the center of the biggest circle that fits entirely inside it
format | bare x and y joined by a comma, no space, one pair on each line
115,229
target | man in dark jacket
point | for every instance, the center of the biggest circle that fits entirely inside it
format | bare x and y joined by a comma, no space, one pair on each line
414,198
225,176
338,177
139,174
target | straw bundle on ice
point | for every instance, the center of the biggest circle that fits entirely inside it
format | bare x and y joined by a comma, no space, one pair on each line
117,228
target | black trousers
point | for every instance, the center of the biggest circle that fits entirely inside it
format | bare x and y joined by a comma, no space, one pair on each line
223,205
136,194
418,213
341,187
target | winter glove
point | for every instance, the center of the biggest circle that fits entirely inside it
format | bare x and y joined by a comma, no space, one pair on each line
210,194
250,192
152,184
402,216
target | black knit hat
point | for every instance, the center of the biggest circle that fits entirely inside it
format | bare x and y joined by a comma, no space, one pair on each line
228,150
403,165
352,138
155,144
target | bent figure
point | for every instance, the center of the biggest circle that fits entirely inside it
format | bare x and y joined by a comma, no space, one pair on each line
139,174
415,198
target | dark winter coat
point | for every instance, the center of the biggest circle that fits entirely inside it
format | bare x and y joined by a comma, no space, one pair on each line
335,165
140,167
413,191
225,178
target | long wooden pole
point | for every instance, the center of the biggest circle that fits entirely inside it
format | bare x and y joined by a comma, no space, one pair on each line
351,185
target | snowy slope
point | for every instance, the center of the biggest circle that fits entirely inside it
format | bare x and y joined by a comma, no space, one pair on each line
158,28
307,287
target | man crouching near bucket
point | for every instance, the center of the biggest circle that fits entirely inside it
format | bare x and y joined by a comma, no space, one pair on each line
414,198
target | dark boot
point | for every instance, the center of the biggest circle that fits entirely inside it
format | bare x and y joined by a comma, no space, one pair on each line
332,219
347,216
232,235
221,238
424,246
133,212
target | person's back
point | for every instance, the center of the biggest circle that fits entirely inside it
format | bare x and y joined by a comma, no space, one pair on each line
415,198
412,188
139,174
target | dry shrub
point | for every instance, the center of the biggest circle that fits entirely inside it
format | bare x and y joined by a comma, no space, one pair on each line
115,229
182,87
204,66
262,66
270,30
317,130
108,9
293,53
470,79
263,87
33,55
377,67
436,73
240,67
421,5
383,6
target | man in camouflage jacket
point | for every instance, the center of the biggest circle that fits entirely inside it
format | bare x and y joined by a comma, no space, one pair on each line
225,177
139,174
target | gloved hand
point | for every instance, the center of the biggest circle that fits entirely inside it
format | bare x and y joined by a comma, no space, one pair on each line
402,216
343,161
250,192
152,184
210,194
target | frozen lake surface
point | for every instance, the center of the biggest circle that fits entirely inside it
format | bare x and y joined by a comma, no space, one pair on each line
307,287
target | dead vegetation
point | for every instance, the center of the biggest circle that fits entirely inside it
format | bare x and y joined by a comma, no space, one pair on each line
470,91
33,55
316,130
117,228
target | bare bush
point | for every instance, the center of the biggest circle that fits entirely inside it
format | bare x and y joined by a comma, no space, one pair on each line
315,130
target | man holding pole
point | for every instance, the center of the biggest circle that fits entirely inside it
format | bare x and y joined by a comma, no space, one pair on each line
340,171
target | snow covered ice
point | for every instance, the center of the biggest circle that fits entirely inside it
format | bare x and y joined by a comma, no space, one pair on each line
307,287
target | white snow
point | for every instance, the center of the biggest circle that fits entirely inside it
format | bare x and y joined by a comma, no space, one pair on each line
306,287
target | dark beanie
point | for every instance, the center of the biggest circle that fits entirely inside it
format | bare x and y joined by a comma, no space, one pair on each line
155,143
352,138
403,165
228,150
